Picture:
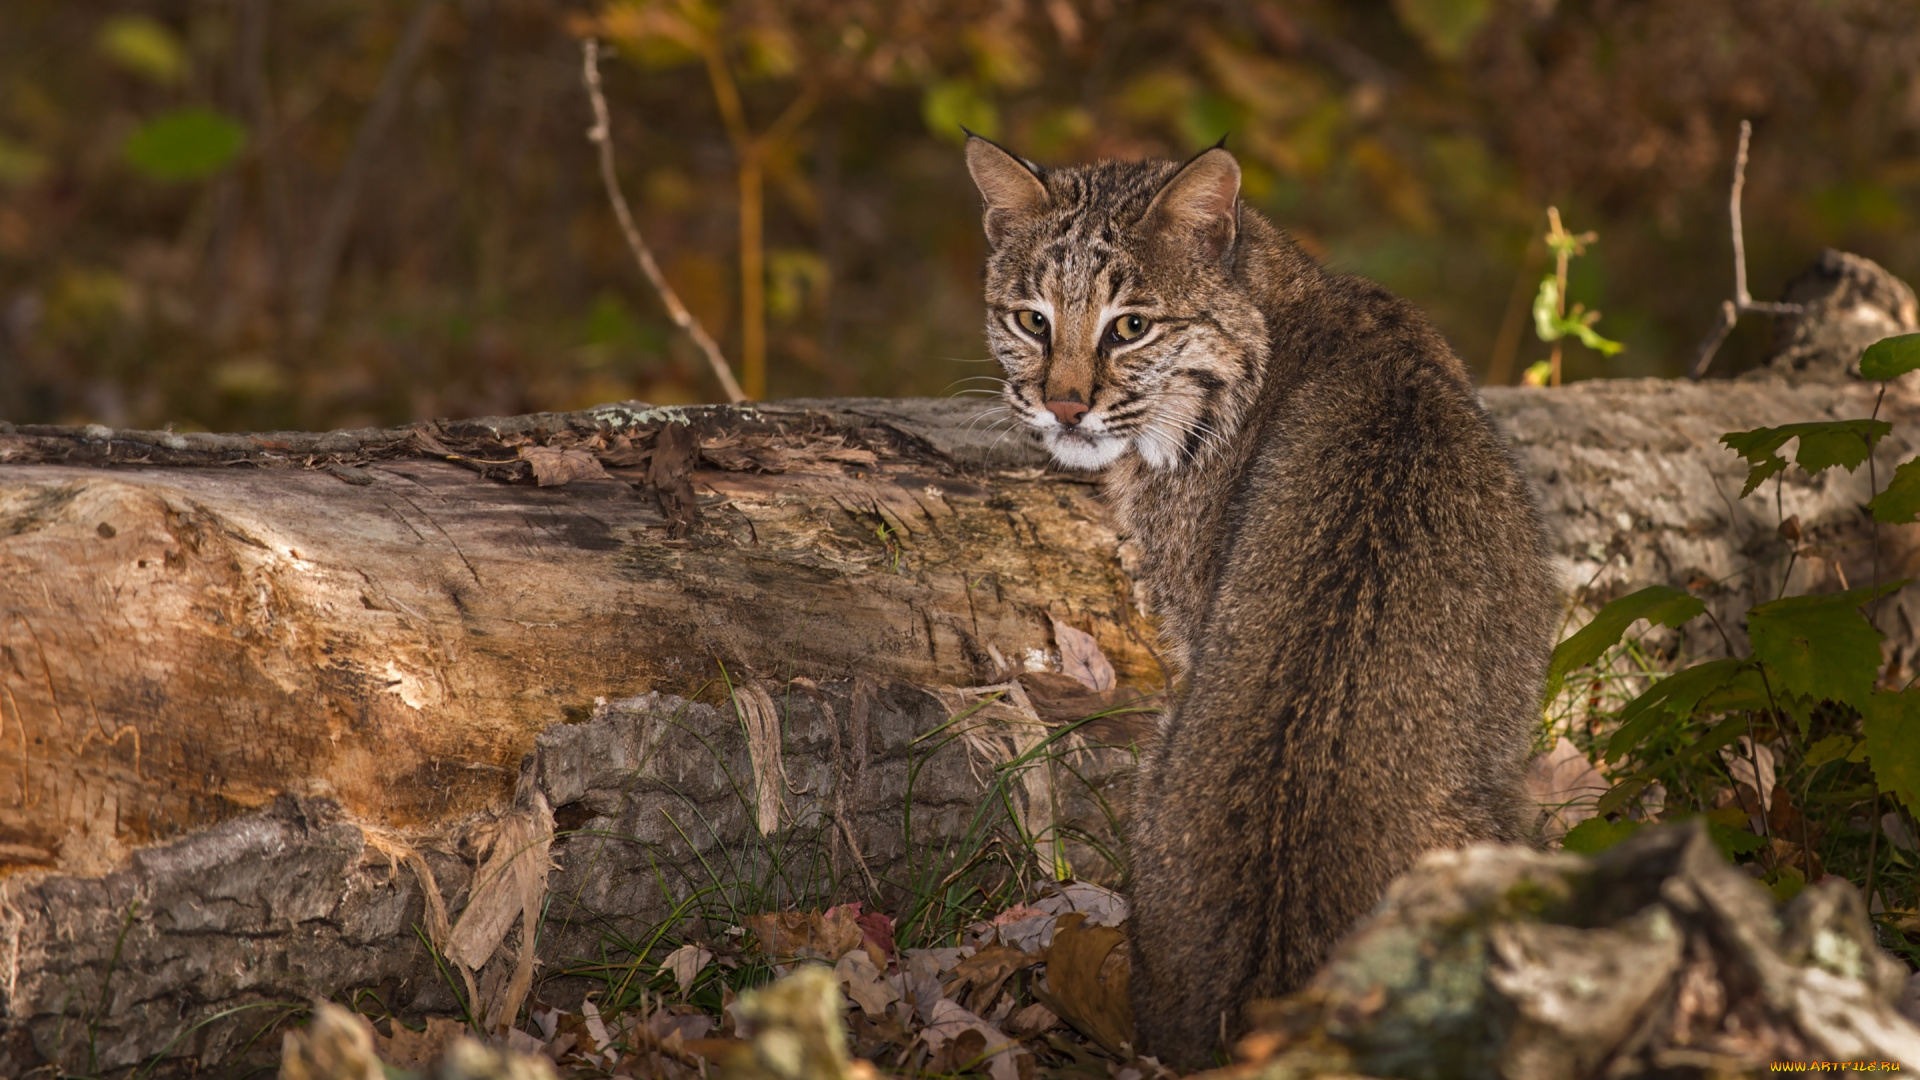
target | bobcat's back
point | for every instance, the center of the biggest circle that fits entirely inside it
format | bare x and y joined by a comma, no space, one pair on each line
1338,542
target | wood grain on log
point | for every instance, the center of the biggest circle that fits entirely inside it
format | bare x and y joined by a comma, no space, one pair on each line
275,650
323,616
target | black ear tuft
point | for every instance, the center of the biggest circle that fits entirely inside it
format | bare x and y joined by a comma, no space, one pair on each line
1222,144
1008,185
1198,210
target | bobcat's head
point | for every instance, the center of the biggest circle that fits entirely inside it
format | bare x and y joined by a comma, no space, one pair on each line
1113,306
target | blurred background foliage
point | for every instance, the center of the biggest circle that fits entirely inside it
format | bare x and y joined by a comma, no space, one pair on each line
235,214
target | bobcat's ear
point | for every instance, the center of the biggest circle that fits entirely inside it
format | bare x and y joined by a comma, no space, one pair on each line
1007,184
1199,209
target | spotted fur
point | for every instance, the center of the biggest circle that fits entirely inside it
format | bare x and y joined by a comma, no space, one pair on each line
1343,556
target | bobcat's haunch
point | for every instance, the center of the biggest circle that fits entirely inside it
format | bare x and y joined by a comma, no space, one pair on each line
1342,554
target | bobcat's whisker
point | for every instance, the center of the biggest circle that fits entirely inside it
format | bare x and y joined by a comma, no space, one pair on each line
1005,416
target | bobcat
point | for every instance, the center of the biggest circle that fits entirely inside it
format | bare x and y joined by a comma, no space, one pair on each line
1344,558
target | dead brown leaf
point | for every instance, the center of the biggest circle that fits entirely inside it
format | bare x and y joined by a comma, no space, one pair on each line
1081,658
686,963
1063,699
978,979
620,453
1565,785
676,450
1030,1020
791,935
861,980
511,883
554,467
978,1043
416,1050
1087,990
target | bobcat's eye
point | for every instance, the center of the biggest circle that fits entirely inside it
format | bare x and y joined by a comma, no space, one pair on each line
1032,322
1128,328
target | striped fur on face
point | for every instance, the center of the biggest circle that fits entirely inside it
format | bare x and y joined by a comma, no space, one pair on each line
1089,250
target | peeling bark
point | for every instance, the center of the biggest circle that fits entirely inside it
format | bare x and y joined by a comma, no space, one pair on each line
248,680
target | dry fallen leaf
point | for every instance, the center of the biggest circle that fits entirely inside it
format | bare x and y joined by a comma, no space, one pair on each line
510,884
790,935
597,1031
554,467
1030,1020
415,1050
877,931
1080,657
676,453
984,973
1739,759
1894,828
1566,785
686,962
862,982
948,1023
1102,906
1084,989
1021,926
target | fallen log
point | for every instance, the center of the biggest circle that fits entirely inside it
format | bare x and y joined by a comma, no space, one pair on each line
264,698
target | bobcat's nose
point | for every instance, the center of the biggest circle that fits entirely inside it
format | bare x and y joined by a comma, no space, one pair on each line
1067,412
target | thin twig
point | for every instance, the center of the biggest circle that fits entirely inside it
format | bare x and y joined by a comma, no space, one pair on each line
316,286
1742,302
601,134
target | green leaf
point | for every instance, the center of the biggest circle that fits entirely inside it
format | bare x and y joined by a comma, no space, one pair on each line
1444,27
950,106
1900,502
144,47
187,144
1592,340
1820,646
1656,604
1721,734
1785,883
1823,445
1619,795
1831,748
1797,707
1676,695
1732,841
1546,314
1597,834
1891,744
1890,357
1845,443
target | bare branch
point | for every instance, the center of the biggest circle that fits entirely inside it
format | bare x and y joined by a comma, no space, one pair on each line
1729,314
1741,297
316,284
1742,302
602,135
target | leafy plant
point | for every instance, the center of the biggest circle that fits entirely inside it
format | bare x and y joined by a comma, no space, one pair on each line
1700,740
186,144
1551,319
